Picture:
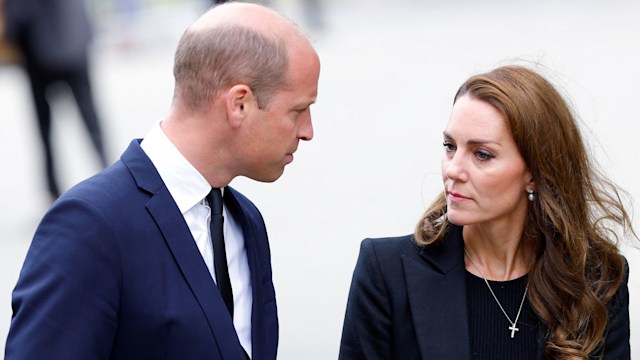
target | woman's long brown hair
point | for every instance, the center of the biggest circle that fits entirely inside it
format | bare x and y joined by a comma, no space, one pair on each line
577,266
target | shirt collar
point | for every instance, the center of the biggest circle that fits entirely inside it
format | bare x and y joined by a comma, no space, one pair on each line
185,184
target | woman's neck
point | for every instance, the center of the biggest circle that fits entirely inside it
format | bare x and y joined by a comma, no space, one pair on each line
497,252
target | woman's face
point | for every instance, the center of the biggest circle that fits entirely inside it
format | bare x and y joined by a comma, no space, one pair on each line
484,175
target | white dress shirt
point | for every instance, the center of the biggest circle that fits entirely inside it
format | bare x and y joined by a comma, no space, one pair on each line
189,188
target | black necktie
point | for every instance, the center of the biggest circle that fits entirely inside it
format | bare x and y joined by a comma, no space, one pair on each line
219,253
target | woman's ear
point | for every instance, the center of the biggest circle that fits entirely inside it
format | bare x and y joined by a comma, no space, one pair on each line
237,101
531,185
527,179
530,189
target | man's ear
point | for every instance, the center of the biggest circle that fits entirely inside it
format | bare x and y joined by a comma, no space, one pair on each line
238,100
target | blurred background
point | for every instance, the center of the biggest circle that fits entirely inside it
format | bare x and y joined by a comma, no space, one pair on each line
389,73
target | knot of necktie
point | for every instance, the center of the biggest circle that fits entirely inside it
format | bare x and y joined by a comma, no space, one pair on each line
215,201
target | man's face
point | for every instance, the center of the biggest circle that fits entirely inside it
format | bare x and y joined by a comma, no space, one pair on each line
275,131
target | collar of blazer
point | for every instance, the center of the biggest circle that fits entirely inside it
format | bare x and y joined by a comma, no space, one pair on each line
437,297
176,234
264,336
448,254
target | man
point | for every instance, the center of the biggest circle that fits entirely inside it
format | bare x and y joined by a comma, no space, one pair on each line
54,37
121,267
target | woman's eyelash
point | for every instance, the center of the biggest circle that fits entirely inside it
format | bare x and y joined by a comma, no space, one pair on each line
448,146
484,155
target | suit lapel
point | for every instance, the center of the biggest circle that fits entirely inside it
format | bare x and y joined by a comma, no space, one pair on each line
436,290
541,340
184,250
255,235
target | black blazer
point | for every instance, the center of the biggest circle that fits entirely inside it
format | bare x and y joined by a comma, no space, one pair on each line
408,302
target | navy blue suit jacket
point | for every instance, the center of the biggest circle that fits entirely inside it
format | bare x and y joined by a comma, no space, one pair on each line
408,302
114,273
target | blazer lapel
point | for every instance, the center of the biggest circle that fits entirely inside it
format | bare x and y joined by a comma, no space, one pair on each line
540,341
185,252
264,325
436,290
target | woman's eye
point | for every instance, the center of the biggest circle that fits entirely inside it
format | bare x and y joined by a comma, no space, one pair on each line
484,155
448,147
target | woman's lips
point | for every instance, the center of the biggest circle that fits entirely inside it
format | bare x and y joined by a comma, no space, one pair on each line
455,197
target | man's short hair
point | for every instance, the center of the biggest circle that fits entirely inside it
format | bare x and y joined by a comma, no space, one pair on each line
208,60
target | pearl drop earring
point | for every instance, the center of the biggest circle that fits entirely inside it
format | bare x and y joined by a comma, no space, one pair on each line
532,195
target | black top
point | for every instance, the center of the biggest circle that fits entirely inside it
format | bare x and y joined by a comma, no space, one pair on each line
489,331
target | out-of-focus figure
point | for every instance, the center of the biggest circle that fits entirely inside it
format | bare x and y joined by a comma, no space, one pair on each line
54,38
314,14
9,54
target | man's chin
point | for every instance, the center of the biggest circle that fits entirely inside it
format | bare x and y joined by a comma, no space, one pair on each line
267,178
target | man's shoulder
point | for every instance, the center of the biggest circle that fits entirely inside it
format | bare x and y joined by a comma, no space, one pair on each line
132,170
113,190
114,179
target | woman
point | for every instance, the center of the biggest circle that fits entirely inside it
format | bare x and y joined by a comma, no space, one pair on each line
516,258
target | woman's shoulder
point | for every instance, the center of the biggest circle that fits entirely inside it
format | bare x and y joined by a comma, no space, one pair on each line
383,256
388,250
393,244
407,245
